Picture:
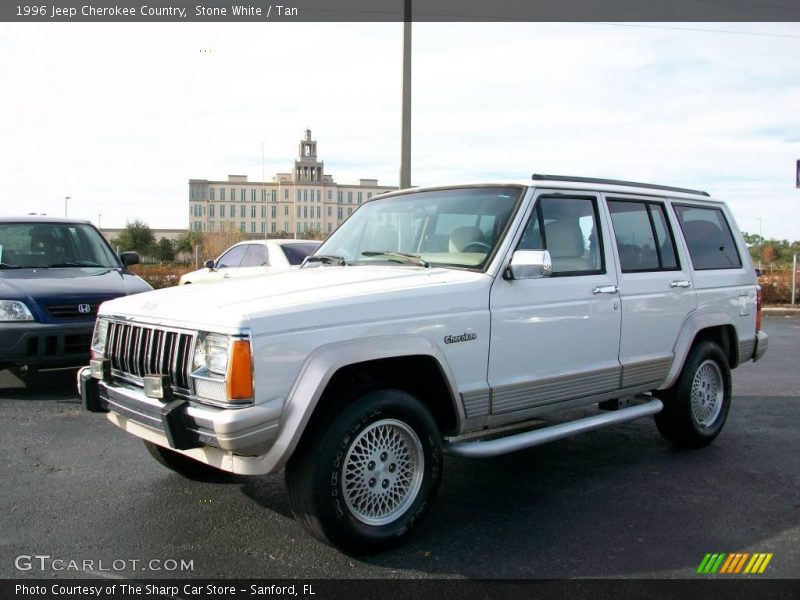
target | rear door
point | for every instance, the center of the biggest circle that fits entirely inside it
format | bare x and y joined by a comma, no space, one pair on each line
655,286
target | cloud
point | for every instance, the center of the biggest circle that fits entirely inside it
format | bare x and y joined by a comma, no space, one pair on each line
120,116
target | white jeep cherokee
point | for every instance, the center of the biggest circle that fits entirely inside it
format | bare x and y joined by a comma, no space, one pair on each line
448,319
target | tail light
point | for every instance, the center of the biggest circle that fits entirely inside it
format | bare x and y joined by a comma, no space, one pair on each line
758,308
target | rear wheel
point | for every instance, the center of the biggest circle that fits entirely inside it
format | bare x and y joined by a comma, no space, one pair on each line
188,467
696,407
364,479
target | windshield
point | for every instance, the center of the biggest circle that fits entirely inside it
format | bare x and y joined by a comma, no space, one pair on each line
53,245
455,228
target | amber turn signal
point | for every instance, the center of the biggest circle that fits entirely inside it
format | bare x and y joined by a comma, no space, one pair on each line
240,372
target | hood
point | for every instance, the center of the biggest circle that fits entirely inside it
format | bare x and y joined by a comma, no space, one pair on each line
39,288
307,298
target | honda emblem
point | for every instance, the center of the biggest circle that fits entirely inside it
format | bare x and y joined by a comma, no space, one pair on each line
84,309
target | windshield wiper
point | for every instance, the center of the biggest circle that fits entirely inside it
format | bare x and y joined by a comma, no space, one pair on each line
414,259
82,263
5,266
327,259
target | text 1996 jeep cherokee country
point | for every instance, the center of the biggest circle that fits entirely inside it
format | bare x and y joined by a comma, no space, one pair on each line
446,319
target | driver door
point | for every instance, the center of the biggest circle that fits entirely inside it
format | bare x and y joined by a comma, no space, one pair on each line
555,340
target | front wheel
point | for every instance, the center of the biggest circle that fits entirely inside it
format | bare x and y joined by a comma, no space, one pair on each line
696,407
364,480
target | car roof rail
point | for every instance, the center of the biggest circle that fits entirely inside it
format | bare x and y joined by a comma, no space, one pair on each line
652,186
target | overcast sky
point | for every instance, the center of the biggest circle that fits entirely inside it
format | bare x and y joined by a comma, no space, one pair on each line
120,116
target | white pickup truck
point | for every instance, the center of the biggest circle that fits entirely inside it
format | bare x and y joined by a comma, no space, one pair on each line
460,319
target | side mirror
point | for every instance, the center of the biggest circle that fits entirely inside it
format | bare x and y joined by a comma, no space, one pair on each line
209,264
529,264
129,258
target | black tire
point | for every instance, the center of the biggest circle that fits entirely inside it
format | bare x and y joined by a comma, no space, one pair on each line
336,475
183,465
697,405
28,375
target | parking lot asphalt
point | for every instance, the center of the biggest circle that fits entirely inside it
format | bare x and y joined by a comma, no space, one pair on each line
618,502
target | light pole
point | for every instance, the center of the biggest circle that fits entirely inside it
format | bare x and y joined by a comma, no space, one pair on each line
99,219
66,199
405,136
760,242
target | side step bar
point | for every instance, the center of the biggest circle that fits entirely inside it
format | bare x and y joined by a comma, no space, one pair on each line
512,443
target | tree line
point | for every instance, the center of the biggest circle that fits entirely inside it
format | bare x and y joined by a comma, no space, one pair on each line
139,237
772,253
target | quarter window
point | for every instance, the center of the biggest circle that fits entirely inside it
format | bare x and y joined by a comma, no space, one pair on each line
709,238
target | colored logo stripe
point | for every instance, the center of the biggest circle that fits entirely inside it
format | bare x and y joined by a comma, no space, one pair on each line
734,563
758,563
711,563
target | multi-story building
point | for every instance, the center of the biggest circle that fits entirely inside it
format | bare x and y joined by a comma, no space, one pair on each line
304,200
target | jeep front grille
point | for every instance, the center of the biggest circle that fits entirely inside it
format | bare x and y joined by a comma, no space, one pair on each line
136,350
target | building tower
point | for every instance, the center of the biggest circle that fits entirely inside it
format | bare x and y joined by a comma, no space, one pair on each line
307,168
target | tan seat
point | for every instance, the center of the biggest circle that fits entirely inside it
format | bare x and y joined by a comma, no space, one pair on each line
565,244
462,237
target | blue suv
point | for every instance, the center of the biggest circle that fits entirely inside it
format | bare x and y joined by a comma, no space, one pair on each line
54,274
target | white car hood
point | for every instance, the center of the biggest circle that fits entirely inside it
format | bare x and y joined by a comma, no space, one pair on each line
307,298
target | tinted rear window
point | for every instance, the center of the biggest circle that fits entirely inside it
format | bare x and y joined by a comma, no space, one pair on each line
709,238
296,253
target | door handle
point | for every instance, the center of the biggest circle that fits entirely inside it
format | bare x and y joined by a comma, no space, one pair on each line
685,283
605,289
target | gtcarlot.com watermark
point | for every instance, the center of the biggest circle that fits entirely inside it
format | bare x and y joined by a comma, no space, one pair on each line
49,564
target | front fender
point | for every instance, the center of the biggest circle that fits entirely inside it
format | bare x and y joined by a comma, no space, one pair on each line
317,372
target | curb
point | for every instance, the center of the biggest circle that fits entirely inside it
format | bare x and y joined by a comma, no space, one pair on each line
780,312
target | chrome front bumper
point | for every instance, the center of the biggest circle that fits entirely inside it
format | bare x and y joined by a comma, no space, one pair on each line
246,431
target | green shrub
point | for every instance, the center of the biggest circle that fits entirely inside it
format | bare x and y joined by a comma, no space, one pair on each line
161,276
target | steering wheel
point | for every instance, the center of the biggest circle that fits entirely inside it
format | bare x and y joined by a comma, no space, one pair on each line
481,247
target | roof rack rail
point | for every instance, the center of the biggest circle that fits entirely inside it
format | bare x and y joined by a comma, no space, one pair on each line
540,177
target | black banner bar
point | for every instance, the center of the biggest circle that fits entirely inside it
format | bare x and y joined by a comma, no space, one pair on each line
401,589
42,11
